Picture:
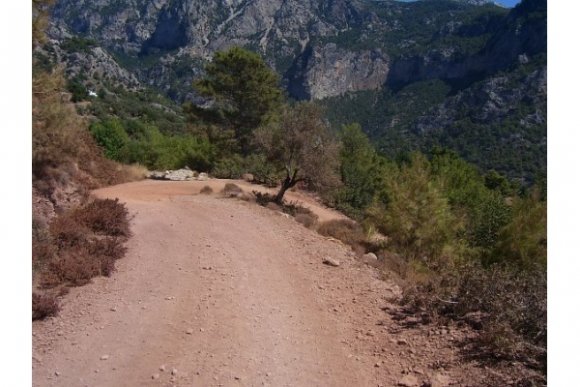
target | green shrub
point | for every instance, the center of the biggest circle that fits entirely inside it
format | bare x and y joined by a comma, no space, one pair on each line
77,89
523,241
418,219
112,137
144,144
362,172
229,168
264,171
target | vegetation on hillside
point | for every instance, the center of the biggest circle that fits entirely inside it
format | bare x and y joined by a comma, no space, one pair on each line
73,238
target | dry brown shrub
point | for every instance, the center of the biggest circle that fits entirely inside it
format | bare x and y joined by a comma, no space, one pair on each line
508,307
67,232
273,206
307,220
107,247
134,172
231,190
88,240
75,266
344,230
104,216
206,190
44,305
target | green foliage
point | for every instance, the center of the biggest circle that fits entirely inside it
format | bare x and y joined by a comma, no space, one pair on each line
362,173
245,91
484,210
147,106
111,136
137,142
523,241
301,145
234,166
390,118
496,181
229,167
418,218
264,171
78,90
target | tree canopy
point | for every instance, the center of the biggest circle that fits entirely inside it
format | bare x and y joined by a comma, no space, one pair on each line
244,91
301,144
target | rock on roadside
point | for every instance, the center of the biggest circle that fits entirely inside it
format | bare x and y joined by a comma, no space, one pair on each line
331,262
182,174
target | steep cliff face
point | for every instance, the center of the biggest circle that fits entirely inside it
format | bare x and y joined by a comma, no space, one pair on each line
328,71
166,32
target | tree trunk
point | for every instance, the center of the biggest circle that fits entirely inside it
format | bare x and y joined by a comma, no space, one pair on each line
288,182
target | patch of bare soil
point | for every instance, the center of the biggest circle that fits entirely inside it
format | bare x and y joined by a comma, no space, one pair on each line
222,292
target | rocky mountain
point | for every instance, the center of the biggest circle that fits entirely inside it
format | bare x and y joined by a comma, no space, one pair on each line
483,59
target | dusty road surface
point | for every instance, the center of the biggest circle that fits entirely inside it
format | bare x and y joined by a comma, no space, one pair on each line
222,292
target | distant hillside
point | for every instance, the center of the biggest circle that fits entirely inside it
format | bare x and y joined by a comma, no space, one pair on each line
418,74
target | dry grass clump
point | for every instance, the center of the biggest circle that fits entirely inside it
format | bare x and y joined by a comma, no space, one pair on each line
307,220
43,306
206,190
344,230
232,190
133,172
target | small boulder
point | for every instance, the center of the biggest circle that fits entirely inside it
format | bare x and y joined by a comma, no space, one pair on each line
248,177
408,381
370,256
331,262
440,380
202,176
370,259
179,175
156,175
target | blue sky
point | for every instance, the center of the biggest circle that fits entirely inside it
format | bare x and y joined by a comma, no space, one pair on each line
508,3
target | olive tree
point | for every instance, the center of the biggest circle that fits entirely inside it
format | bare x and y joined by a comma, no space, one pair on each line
301,145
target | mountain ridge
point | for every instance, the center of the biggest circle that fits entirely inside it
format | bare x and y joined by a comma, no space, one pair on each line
323,50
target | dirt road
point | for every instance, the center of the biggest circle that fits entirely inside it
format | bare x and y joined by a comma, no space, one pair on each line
221,292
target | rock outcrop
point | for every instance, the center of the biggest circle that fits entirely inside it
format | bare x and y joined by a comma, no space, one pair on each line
177,175
328,71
